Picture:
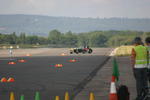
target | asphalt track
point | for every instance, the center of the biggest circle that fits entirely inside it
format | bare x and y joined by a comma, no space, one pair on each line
40,74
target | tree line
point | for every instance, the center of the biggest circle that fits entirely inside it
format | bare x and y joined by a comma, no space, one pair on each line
69,39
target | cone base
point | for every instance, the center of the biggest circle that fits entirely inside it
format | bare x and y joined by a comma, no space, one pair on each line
113,96
21,61
11,80
4,80
28,55
72,60
11,63
63,54
58,65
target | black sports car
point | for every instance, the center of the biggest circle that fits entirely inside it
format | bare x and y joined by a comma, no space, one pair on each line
81,50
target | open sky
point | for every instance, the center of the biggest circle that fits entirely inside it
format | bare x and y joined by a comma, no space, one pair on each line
78,8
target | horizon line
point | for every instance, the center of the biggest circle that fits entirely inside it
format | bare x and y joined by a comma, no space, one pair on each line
79,17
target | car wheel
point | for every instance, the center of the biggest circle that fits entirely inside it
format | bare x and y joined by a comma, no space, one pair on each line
90,51
83,51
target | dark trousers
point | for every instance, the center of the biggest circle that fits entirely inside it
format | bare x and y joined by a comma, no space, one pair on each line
141,79
148,75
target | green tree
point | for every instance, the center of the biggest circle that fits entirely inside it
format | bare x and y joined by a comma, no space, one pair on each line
42,40
54,37
70,39
32,39
1,38
98,40
9,38
83,39
12,38
22,38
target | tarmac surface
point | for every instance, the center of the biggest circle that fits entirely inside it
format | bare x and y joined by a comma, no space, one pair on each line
100,84
40,74
91,73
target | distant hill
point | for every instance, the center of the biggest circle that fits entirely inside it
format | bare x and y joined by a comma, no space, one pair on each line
41,25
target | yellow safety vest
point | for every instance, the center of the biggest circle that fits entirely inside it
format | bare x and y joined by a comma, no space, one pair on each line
141,55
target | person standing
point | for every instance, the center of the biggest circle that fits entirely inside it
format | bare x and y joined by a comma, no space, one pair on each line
147,41
139,62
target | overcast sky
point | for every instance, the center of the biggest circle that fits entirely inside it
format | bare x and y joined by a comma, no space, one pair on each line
78,8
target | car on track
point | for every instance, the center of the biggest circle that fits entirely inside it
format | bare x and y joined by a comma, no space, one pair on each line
81,50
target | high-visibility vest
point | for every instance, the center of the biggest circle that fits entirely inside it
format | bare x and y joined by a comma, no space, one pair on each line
141,55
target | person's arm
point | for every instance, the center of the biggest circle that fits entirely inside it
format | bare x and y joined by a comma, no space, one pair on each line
133,55
147,57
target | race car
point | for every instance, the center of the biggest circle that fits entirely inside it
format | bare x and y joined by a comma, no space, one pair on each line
81,50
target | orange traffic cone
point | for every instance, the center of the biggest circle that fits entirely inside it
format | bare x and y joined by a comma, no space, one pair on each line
113,91
72,60
11,79
28,55
58,65
63,54
11,63
3,79
22,60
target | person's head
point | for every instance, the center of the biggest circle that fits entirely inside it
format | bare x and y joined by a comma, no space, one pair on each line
137,41
147,41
